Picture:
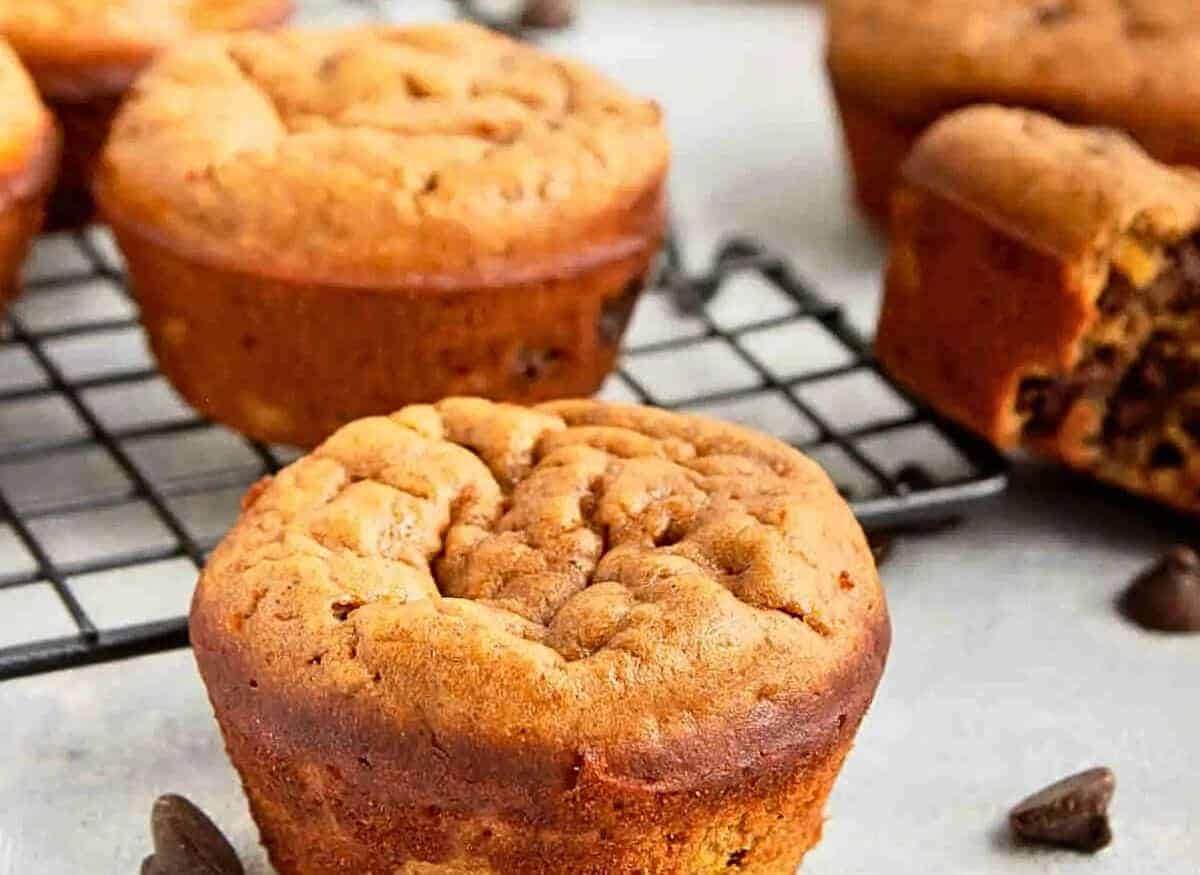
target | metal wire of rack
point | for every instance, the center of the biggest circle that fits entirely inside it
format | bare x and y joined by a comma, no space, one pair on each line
112,491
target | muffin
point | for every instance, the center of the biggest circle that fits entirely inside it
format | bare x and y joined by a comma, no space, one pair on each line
896,66
321,226
28,149
83,54
573,638
1043,289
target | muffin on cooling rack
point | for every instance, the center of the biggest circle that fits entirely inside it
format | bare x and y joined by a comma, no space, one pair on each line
83,54
28,148
896,66
579,637
1044,288
325,225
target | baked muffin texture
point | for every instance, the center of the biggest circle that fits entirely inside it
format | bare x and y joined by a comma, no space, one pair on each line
897,65
575,638
325,225
84,54
1043,288
28,149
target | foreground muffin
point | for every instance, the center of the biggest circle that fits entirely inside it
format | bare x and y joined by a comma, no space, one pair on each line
580,637
1044,288
325,225
83,54
28,148
898,65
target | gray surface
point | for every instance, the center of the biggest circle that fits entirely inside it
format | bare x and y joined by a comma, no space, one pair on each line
1009,667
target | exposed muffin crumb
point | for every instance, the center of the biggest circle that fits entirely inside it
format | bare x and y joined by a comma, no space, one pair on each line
1044,287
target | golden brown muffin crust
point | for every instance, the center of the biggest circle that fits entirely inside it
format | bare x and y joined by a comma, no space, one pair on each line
651,597
1071,193
424,156
26,132
117,37
1124,62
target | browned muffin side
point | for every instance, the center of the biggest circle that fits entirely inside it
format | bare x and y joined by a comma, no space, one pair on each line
1044,288
896,66
576,638
28,150
325,225
83,55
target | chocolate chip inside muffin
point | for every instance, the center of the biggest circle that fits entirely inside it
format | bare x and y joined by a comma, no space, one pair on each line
1137,384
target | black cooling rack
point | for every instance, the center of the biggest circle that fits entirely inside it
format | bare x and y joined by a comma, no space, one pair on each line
112,491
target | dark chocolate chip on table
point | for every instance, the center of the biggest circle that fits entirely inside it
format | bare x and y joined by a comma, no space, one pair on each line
186,842
1166,596
548,14
1072,813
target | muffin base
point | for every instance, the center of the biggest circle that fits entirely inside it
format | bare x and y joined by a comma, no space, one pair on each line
18,224
352,795
349,794
876,146
290,362
314,820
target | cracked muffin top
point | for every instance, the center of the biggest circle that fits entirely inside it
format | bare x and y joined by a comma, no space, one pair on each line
421,156
1131,63
53,35
25,124
684,595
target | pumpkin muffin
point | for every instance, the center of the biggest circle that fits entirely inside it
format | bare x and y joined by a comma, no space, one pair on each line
28,148
83,54
1043,289
896,66
574,638
322,225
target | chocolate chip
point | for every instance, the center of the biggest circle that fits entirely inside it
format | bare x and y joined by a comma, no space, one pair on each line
548,14
1116,295
186,842
615,312
1072,813
534,363
735,859
1166,597
1189,262
1166,455
1190,422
